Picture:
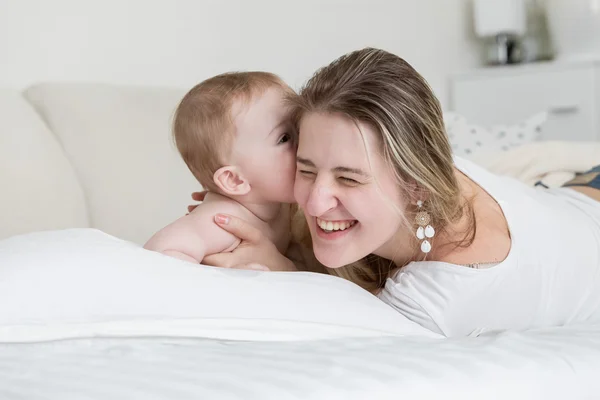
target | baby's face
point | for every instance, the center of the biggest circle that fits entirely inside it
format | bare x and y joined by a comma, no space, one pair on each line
264,147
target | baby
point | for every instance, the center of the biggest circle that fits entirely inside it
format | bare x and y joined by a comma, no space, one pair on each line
234,133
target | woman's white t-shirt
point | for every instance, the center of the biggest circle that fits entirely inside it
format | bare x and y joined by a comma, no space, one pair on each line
551,275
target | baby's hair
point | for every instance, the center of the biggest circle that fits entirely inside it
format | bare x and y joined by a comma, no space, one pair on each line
203,128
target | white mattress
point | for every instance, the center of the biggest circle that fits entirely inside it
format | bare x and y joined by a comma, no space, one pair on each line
559,363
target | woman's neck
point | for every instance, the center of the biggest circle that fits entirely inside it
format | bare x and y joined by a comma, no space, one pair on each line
400,249
404,247
449,240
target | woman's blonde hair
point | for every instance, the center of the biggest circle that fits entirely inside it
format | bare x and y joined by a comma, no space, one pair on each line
378,88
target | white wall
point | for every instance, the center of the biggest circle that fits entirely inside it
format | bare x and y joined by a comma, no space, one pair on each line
179,42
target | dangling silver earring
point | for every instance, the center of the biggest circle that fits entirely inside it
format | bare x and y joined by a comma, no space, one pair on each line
422,219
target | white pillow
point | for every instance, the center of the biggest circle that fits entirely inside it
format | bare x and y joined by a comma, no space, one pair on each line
468,138
83,282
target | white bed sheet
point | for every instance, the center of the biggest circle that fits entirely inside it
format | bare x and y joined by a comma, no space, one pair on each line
558,363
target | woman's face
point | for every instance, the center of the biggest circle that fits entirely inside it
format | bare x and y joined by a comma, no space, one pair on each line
350,198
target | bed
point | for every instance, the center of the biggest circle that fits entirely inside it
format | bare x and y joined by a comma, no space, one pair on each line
85,313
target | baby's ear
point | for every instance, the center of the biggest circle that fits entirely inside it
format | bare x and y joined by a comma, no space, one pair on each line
231,181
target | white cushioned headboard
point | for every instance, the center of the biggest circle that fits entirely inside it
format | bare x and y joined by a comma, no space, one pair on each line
39,190
118,139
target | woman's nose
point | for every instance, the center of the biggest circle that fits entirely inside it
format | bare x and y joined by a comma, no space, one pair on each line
320,200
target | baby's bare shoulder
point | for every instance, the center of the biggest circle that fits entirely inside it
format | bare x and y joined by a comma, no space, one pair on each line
216,204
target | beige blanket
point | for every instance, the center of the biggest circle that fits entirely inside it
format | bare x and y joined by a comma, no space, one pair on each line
553,163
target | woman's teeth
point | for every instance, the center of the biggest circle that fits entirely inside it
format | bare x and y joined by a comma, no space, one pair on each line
329,226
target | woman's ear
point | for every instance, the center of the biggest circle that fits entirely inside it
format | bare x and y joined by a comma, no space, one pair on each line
416,192
231,181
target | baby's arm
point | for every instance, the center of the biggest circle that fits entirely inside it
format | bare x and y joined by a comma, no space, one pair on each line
195,236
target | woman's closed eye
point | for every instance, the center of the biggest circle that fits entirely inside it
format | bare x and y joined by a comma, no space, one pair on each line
343,179
349,181
306,173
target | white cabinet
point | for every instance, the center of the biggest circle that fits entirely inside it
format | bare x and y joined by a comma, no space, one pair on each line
569,92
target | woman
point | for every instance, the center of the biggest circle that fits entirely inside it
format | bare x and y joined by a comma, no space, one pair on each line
448,244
